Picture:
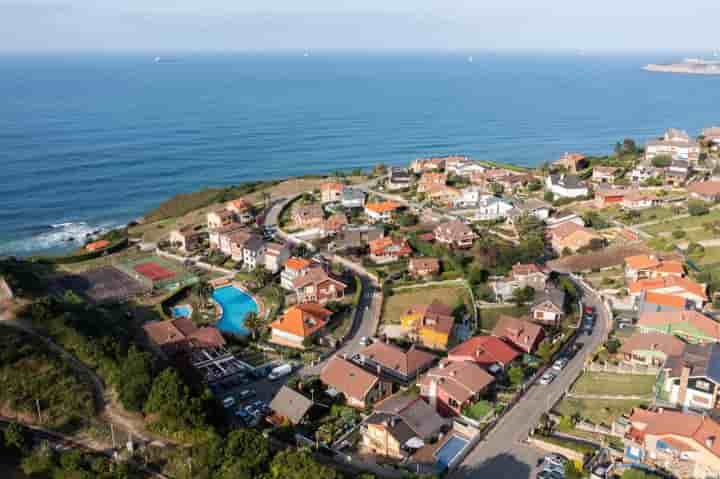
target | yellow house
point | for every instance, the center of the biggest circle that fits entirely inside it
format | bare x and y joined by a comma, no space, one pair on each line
429,324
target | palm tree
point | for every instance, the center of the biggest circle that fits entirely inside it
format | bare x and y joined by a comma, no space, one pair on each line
253,323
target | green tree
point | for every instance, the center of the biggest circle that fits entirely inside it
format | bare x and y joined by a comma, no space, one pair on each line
662,161
516,375
549,196
247,450
523,295
134,379
254,323
14,437
298,464
697,208
638,474
572,472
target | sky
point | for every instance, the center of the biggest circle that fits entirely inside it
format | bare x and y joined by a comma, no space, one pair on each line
239,25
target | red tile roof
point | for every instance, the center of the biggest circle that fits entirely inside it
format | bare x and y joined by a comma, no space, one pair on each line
708,326
702,431
348,378
484,350
459,380
686,284
302,320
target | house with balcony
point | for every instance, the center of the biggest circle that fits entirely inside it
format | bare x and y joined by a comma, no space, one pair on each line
360,387
276,255
566,186
382,212
398,179
548,306
402,364
430,324
299,325
389,249
650,349
452,386
674,143
186,238
489,352
294,268
691,379
572,162
454,234
331,192
317,286
604,174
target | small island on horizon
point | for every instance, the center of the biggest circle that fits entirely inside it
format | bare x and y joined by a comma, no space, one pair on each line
693,66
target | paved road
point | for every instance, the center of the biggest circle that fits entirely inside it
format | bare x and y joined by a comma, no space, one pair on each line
503,454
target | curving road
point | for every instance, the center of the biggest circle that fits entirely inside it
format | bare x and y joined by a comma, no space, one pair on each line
503,453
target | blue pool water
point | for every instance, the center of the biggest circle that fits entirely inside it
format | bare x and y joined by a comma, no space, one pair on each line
235,305
448,451
183,311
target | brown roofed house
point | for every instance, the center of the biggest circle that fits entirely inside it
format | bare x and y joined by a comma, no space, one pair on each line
308,216
299,324
360,387
317,286
705,190
423,267
650,349
181,334
289,406
455,234
453,385
396,361
522,334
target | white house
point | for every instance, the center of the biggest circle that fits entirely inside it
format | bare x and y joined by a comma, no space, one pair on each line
566,186
469,197
642,173
676,144
492,208
352,198
275,256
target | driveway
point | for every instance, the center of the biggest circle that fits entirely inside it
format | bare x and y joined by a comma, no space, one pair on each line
503,454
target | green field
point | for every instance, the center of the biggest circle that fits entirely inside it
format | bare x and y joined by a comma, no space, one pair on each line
683,223
400,301
598,411
647,215
489,317
614,384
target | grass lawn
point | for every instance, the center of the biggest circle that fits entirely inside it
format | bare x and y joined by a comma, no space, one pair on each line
650,214
489,316
609,383
711,255
598,411
400,301
478,410
683,223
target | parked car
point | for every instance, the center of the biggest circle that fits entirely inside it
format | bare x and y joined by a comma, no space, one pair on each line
228,402
545,474
364,341
280,371
556,459
246,393
547,378
560,364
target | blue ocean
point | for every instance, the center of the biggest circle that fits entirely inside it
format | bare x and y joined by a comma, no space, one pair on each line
88,142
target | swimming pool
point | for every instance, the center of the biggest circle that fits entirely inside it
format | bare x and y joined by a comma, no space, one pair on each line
449,451
181,311
235,305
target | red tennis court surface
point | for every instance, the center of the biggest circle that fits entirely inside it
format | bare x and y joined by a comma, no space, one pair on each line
153,271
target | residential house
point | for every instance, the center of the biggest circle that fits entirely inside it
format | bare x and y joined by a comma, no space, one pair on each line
389,249
400,425
646,266
570,236
604,174
442,194
275,256
398,179
686,445
691,326
219,219
308,216
562,218
422,165
382,212
423,267
711,135
492,208
677,173
334,224
454,234
488,177
253,253
515,181
691,379
489,352
317,286
102,244
360,387
181,335
396,362
186,238
548,306
606,197
566,186
650,349
522,334
220,238
331,192
289,407
531,207
352,198
676,144
572,162
355,238
462,166
639,200
641,173
529,274
294,268
651,302
470,197
429,324
705,190
299,325
451,386
242,209
431,179
686,288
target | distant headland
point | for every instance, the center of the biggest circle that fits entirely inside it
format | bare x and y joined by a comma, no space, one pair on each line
694,66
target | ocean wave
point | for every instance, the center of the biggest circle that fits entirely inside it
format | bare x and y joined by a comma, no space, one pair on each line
57,238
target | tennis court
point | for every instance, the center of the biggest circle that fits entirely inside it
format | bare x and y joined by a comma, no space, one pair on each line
156,272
